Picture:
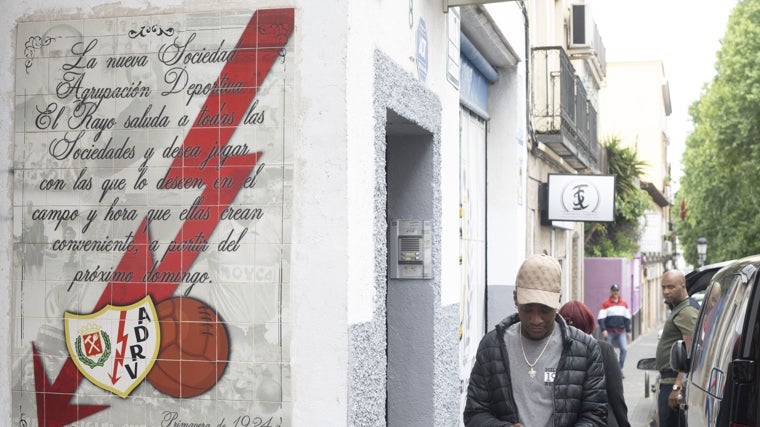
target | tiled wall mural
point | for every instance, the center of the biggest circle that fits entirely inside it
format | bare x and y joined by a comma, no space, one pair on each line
152,201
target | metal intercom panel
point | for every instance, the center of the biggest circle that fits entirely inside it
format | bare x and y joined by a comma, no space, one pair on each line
410,252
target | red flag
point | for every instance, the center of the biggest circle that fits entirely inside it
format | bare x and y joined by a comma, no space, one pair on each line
683,209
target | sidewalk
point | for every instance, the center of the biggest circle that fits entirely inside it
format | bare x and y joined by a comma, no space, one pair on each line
640,407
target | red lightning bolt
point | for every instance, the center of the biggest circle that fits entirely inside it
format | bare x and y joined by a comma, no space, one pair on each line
259,46
120,352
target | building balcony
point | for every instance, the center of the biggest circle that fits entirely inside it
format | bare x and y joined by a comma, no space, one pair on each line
562,116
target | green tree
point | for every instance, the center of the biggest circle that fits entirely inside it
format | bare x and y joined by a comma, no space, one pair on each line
621,237
719,186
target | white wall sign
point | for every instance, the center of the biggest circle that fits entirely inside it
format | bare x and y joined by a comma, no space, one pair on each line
581,198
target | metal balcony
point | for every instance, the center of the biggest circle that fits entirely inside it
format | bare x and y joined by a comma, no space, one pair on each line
561,114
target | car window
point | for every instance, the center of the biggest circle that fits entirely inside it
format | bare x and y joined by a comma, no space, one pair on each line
718,332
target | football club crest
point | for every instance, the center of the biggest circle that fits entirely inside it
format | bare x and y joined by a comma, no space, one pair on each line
116,347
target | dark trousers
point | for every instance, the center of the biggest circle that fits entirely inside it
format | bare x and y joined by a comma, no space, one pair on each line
668,417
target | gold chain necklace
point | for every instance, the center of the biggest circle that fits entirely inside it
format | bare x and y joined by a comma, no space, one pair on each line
531,371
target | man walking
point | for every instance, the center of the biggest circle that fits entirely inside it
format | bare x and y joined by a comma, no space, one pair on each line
615,322
678,326
532,370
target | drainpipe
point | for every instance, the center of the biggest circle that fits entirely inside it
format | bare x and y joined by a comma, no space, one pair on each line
528,91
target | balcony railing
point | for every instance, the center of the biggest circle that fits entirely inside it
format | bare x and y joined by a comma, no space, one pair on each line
562,115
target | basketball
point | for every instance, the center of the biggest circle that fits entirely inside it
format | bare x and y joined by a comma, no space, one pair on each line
194,348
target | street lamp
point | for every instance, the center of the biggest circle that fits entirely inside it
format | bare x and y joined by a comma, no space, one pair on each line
702,250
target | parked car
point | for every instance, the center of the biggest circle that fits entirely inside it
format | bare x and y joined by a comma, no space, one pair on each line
697,282
723,364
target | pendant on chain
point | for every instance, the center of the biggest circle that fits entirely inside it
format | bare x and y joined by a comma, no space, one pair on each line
532,372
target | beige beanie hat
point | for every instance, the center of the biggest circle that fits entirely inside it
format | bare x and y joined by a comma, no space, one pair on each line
539,281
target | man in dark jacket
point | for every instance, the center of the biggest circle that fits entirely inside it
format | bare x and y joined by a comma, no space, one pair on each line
532,370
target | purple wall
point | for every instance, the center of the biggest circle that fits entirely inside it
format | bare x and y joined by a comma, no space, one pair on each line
634,302
601,273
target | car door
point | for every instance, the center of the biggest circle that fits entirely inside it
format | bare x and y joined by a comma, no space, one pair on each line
743,388
716,341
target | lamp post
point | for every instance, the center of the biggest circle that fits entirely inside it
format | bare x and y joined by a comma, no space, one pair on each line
702,250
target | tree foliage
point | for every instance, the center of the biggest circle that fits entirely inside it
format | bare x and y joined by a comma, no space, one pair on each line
720,163
621,237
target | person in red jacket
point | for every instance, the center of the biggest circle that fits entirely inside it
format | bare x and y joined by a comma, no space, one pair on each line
615,322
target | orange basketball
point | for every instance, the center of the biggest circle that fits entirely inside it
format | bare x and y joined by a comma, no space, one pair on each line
194,348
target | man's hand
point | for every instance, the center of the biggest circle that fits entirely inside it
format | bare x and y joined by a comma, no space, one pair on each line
674,399
604,333
628,335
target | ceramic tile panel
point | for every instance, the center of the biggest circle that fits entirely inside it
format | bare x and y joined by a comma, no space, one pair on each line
152,196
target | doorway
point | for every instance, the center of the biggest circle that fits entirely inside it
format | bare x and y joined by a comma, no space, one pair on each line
410,303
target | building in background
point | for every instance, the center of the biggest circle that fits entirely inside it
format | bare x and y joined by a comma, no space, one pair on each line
634,107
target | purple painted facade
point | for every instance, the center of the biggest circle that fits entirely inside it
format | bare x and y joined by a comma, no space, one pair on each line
601,273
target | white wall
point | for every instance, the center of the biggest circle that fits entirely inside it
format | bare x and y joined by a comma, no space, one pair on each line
386,26
508,146
320,252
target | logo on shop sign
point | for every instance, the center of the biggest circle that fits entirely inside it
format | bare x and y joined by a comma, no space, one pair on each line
580,196
575,197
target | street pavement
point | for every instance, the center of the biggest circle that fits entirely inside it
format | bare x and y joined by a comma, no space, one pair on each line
635,383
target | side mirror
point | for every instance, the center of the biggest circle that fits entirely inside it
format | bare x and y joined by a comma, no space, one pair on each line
648,364
679,358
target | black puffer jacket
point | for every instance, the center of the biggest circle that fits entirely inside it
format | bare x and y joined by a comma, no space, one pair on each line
579,386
